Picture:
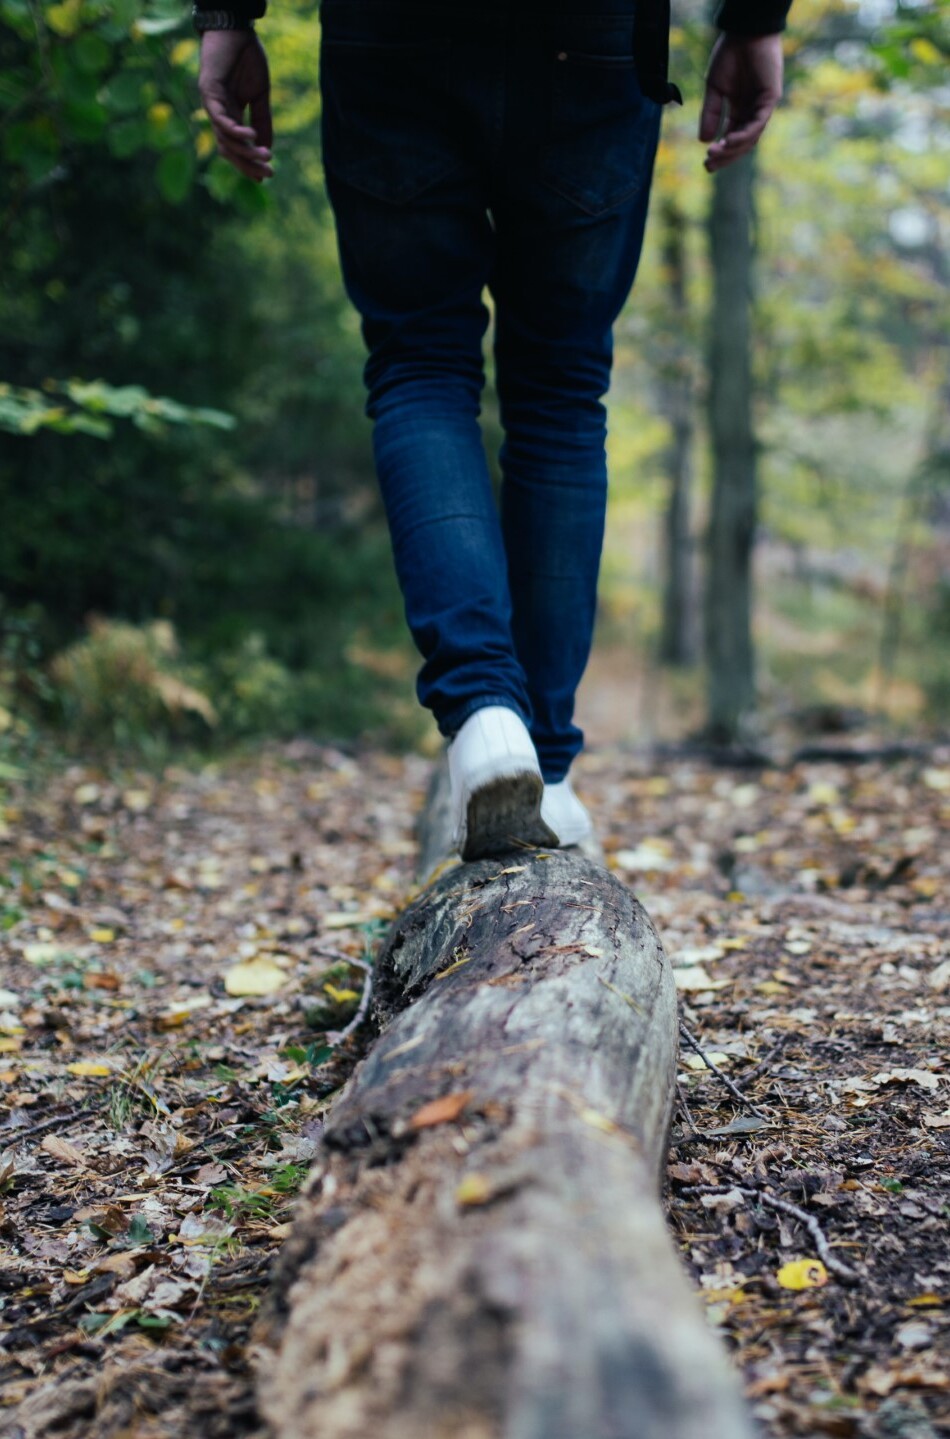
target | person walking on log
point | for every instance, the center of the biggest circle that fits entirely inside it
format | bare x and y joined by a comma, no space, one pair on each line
508,147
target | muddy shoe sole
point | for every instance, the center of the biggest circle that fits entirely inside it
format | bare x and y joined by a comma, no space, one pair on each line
505,815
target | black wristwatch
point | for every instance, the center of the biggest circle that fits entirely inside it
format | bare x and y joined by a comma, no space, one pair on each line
219,20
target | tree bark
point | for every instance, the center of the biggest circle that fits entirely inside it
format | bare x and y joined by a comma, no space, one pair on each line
676,399
729,645
480,1252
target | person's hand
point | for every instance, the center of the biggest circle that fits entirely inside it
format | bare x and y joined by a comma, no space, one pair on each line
744,85
233,77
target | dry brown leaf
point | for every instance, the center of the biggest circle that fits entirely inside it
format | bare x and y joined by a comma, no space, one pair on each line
62,1150
441,1111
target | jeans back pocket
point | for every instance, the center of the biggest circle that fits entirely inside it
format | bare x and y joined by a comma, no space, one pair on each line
382,129
603,130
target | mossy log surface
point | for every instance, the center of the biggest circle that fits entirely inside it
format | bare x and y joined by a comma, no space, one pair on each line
498,1266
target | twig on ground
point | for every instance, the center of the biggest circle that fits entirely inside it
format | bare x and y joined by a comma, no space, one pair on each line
733,1089
766,1062
687,1112
337,1036
60,1121
836,1266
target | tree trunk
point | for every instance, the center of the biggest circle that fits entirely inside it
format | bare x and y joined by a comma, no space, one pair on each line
729,648
676,399
480,1252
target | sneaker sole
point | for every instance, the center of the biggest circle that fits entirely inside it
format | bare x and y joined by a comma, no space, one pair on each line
505,815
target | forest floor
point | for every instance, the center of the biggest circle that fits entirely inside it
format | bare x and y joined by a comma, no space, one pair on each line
182,950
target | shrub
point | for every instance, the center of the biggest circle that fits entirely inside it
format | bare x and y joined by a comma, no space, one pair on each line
124,682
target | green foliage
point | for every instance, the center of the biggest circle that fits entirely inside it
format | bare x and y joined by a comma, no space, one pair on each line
122,682
76,407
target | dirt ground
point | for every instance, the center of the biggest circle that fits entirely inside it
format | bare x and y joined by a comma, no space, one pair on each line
183,953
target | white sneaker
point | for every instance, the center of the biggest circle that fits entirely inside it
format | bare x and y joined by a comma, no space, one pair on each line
563,811
496,785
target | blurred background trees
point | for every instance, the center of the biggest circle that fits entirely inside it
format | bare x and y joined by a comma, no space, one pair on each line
181,433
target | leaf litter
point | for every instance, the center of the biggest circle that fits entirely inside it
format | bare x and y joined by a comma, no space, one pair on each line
185,954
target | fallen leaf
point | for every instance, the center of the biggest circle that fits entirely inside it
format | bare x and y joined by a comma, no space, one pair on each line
342,919
255,977
102,936
742,1124
90,1069
914,1334
650,856
42,952
474,1189
939,978
696,1061
695,978
340,996
923,1077
101,980
802,1274
62,1150
441,1111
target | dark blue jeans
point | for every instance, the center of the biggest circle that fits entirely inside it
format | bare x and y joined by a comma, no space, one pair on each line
501,147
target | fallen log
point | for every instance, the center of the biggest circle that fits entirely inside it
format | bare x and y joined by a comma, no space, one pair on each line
480,1252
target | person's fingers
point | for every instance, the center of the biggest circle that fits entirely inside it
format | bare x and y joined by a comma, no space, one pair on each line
742,134
228,124
261,120
711,116
252,163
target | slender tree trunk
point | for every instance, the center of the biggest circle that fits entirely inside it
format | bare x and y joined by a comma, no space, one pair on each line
677,393
729,648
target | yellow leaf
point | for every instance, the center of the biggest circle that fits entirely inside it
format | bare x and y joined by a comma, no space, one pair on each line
802,1274
771,986
255,976
343,919
340,996
75,1276
474,1189
89,1069
183,51
926,51
102,936
10,1045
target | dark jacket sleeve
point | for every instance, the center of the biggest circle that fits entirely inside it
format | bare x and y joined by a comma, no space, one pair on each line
753,17
241,9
